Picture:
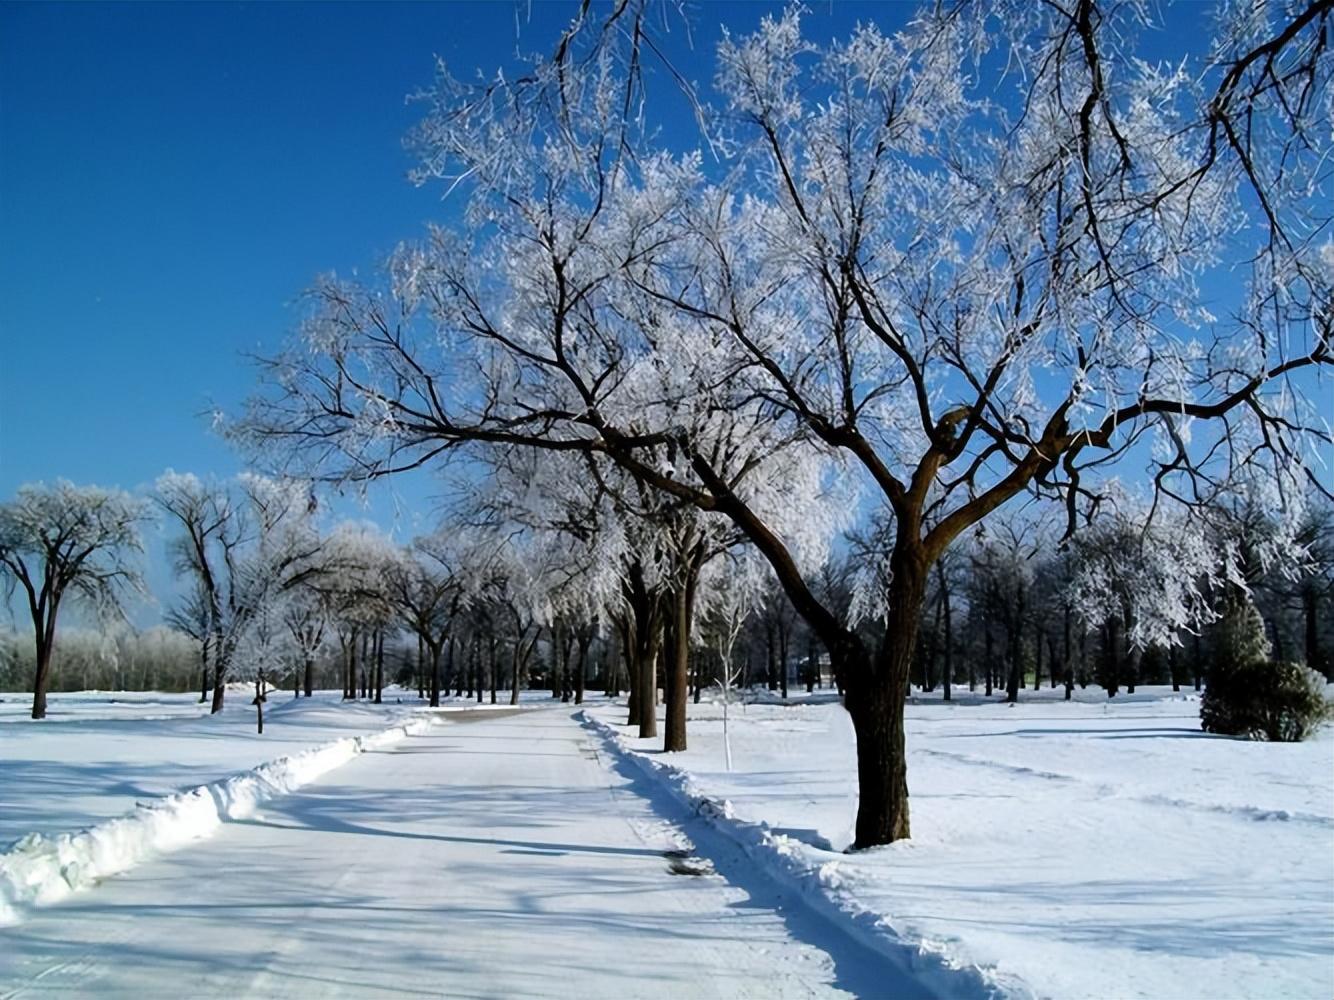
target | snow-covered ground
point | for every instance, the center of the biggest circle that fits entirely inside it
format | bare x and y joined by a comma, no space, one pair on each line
1087,849
496,857
98,754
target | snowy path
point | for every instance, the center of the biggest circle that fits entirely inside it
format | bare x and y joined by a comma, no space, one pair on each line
493,856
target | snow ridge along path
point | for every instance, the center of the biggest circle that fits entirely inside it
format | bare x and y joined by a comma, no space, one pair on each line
815,880
41,869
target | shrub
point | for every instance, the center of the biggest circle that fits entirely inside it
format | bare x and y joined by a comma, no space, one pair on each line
1261,699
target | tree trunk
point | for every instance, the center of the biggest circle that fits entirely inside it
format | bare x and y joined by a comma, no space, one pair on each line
948,677
259,703
492,671
41,679
436,649
988,651
628,646
203,672
679,688
366,648
514,672
379,667
219,686
1012,680
648,681
875,700
557,642
585,640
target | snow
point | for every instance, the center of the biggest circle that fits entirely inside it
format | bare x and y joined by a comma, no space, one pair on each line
1082,849
40,869
493,858
98,754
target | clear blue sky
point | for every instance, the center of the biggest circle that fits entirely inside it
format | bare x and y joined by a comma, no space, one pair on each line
173,175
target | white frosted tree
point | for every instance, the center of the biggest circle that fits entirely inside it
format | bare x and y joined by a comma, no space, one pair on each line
246,545
65,541
968,285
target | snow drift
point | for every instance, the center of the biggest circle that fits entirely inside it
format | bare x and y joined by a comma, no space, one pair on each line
813,874
39,869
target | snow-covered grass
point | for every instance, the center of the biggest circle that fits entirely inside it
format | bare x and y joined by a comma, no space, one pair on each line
98,754
1085,849
45,869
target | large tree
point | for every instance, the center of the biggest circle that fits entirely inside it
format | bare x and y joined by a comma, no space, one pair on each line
62,540
966,283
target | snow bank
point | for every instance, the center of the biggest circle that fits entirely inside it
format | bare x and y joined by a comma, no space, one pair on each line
39,869
814,876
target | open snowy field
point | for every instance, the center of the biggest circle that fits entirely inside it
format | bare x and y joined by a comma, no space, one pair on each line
1087,849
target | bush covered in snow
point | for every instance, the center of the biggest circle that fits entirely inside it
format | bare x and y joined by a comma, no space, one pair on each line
1250,695
1279,702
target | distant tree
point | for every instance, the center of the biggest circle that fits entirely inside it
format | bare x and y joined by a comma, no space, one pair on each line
246,545
72,540
193,616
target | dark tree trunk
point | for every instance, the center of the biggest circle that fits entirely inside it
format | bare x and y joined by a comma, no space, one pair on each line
436,649
1111,659
629,644
219,686
516,664
421,669
379,667
988,653
1068,655
783,635
259,703
678,689
310,676
365,665
948,677
648,681
492,671
203,673
585,639
875,700
1016,667
557,643
927,651
41,679
1037,663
